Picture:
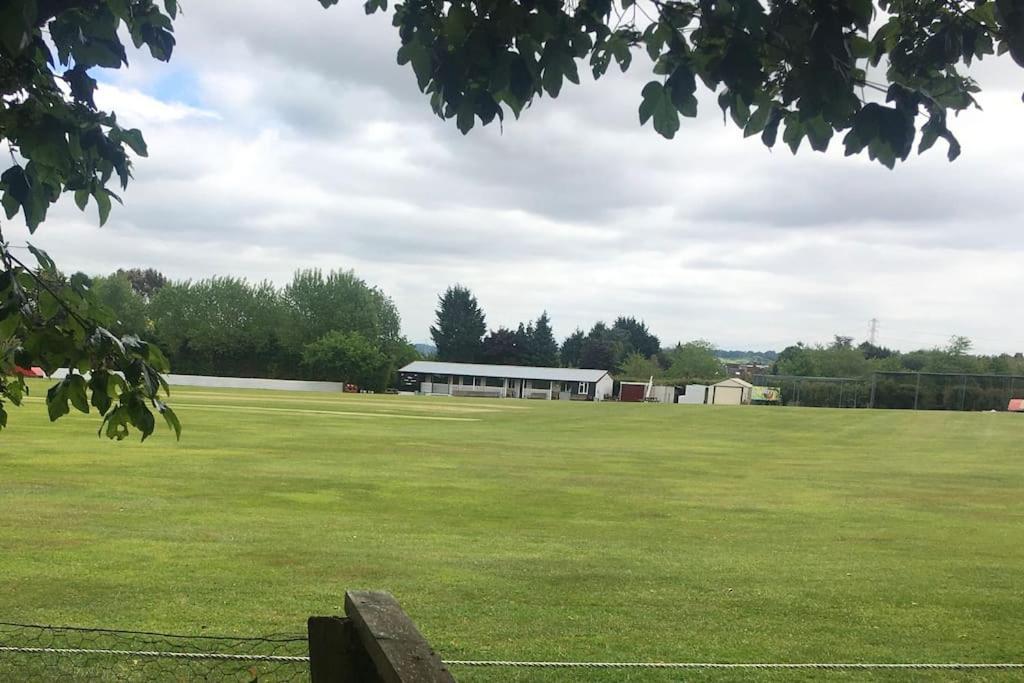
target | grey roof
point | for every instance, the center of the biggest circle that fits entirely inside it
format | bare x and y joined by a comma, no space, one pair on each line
509,371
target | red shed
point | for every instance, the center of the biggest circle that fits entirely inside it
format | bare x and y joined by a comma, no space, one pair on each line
632,391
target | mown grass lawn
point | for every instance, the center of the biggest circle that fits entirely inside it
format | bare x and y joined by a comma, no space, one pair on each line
530,530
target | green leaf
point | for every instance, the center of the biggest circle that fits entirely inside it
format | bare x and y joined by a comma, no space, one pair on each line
116,423
552,79
794,133
171,6
171,419
48,305
861,47
10,320
102,198
98,385
458,24
82,199
133,138
620,50
417,54
76,393
819,133
657,105
42,258
758,121
464,116
15,27
57,401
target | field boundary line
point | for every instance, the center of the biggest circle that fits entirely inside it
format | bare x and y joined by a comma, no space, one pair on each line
336,413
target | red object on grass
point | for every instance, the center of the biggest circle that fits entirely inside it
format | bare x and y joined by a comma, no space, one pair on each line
31,372
1016,405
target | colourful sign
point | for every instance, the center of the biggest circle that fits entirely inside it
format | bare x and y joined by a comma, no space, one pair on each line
766,394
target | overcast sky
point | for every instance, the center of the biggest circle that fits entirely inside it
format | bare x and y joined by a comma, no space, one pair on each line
284,136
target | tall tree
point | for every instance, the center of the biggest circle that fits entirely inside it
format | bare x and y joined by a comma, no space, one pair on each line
145,282
637,367
638,337
544,348
459,326
571,352
339,300
502,347
347,357
221,326
603,348
128,306
695,360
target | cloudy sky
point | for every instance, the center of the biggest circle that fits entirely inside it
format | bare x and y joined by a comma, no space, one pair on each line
284,136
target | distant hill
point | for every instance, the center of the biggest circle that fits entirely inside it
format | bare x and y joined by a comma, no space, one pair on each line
747,356
426,350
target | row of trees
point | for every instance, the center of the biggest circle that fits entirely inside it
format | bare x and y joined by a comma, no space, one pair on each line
334,326
329,326
841,358
627,347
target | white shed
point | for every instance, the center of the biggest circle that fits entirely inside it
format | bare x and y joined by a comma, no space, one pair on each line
694,393
730,392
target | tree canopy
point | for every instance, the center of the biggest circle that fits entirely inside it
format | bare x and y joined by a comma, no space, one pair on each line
59,141
810,69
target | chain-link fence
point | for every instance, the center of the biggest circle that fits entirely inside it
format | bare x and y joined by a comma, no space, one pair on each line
818,392
945,391
898,390
34,652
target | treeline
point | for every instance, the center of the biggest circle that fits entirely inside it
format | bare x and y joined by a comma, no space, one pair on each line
328,326
841,358
626,347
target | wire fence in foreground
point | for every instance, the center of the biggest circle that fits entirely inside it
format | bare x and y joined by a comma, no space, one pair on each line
35,652
63,653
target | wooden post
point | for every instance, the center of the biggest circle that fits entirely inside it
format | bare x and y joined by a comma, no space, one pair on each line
376,642
335,653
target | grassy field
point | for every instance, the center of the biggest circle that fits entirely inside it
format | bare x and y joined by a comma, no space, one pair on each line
529,530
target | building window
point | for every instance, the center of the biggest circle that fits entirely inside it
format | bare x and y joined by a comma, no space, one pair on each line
494,382
584,387
541,384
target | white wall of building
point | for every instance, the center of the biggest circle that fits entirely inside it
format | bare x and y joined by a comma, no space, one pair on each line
695,394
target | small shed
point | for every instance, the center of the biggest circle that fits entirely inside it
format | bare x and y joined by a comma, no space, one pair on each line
731,392
695,394
1016,405
632,392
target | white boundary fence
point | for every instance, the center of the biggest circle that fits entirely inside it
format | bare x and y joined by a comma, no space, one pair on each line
240,382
